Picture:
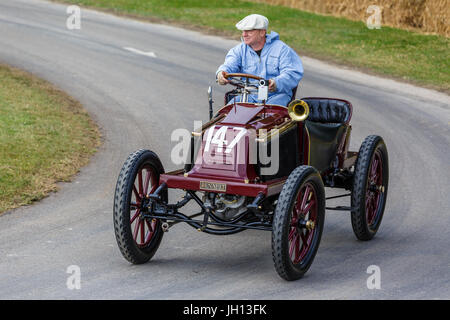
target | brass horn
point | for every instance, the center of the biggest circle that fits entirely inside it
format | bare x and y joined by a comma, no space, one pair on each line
298,110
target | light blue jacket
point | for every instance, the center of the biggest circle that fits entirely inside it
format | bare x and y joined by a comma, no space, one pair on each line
278,61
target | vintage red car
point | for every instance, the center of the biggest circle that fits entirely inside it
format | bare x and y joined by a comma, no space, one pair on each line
237,188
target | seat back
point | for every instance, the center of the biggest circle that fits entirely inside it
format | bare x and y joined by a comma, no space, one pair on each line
327,110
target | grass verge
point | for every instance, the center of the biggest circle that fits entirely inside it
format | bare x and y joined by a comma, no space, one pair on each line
45,137
400,54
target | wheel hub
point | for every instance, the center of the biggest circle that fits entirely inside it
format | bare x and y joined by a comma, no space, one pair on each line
374,188
307,224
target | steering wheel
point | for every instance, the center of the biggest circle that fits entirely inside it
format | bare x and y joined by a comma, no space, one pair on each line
235,79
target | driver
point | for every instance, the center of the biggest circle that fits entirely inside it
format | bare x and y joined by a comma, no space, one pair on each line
266,56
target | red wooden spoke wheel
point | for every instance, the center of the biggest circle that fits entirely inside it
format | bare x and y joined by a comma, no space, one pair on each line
144,184
374,189
305,211
298,223
138,237
370,184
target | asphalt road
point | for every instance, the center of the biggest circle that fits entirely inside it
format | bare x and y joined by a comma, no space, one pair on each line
138,100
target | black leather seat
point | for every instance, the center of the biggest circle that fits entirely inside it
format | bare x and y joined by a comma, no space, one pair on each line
328,110
326,126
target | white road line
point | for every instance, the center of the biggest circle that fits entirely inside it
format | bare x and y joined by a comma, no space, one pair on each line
148,54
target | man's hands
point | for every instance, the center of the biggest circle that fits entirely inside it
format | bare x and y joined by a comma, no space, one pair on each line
221,78
222,81
272,85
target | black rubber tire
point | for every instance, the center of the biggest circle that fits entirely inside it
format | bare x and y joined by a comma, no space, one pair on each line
361,227
282,219
121,211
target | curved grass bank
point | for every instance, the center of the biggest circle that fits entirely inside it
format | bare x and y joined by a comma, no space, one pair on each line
45,137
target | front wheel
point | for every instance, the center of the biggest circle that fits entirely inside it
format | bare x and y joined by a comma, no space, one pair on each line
298,223
138,238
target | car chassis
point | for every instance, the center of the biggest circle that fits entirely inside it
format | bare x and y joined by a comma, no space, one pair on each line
315,136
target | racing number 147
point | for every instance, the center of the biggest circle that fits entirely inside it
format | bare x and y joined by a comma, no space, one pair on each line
220,140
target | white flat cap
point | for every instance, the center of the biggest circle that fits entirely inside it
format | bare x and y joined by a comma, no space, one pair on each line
253,21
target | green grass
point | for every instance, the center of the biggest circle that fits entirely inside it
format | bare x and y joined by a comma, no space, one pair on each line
45,137
413,57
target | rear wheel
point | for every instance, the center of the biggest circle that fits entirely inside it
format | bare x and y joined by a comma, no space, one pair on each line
370,186
298,223
138,238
